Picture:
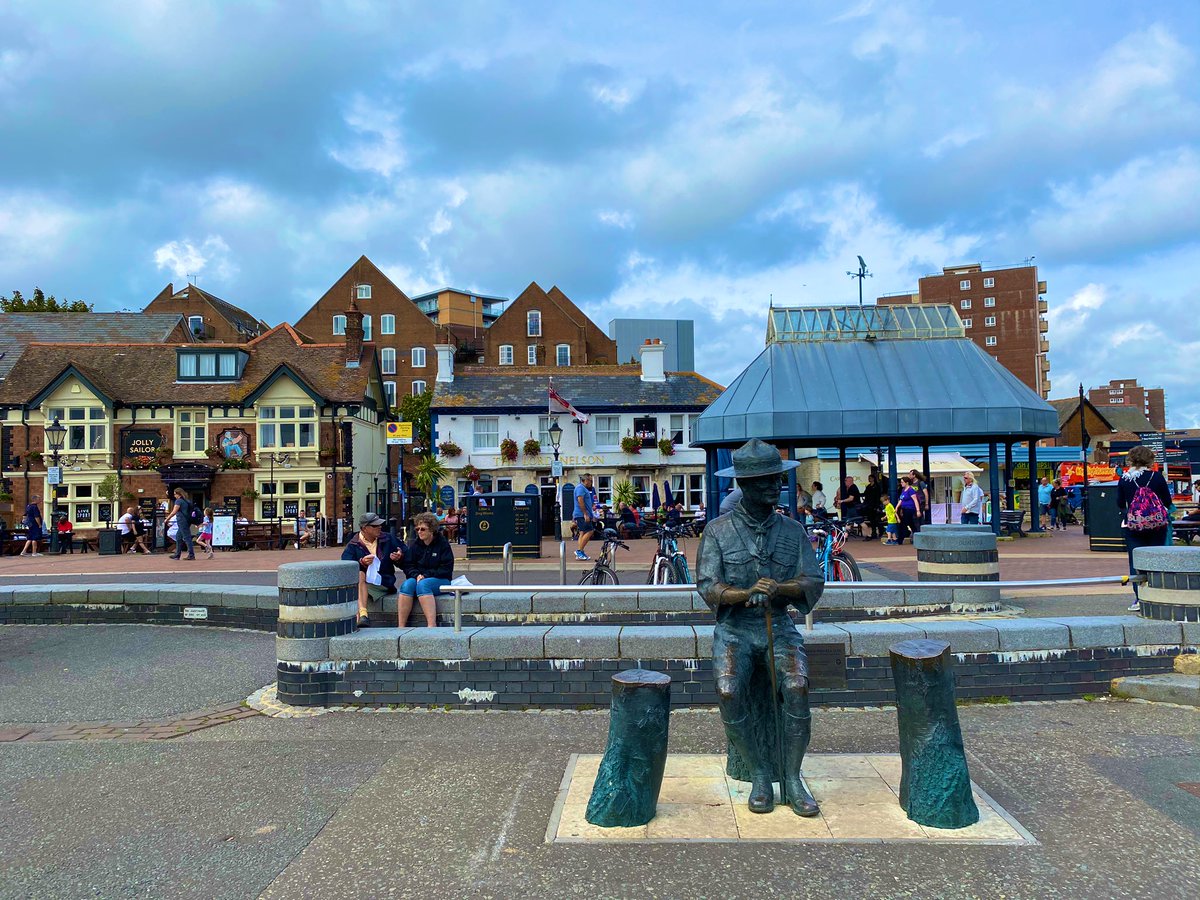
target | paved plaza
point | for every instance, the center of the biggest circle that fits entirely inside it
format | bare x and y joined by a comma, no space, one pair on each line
419,804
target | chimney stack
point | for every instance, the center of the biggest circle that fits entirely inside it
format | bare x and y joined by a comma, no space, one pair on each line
653,360
354,334
445,363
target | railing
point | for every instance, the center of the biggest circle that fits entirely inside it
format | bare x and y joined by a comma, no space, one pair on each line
509,588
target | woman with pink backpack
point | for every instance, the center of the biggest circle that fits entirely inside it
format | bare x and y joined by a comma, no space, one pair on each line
1143,498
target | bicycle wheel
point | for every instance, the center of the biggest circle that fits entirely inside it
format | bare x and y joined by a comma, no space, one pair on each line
683,574
600,575
845,568
662,573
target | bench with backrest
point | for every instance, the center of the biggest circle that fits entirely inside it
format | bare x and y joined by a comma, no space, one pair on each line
1011,521
257,536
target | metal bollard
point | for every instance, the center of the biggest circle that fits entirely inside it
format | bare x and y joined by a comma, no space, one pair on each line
562,562
508,563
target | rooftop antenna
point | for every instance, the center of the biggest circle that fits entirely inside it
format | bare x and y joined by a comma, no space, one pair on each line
860,275
194,278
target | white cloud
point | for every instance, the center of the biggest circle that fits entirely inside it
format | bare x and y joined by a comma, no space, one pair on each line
184,259
616,96
230,199
378,148
615,218
33,228
1135,69
952,140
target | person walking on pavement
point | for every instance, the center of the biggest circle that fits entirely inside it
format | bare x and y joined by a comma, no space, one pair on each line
181,512
972,501
33,528
1143,497
583,515
1058,505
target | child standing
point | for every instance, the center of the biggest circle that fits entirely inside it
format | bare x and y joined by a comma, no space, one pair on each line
204,538
893,522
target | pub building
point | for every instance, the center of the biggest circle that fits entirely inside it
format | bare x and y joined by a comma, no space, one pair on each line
262,429
638,430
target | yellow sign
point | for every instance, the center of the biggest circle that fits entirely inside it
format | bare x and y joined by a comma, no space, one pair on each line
399,432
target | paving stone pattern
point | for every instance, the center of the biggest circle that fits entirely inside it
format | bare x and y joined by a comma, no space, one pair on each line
145,730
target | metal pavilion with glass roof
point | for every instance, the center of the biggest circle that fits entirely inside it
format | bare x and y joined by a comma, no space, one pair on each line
850,376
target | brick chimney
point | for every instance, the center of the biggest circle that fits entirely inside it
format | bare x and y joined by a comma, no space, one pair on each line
653,360
354,334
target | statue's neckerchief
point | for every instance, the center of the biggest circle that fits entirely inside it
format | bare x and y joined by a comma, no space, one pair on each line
758,537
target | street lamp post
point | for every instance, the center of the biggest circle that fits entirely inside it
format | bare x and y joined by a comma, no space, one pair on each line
56,434
555,431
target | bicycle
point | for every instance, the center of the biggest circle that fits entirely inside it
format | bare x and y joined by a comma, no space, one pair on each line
604,569
835,562
670,565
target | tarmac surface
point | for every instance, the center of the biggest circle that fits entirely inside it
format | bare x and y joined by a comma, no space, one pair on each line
456,804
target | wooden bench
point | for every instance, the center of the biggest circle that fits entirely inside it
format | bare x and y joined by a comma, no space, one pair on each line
1011,521
1186,531
257,536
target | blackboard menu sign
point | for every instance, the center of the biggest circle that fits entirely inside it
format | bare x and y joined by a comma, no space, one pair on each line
269,509
83,512
233,504
312,508
291,509
148,505
104,512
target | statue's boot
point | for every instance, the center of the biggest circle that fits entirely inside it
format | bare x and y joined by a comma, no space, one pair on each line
762,788
797,731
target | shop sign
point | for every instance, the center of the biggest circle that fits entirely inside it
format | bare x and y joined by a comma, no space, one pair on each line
1072,472
235,443
1153,440
645,428
141,442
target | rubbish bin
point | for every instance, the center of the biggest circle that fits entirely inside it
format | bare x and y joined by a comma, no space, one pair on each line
496,519
1104,519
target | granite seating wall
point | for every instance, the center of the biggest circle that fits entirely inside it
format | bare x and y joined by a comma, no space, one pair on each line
565,664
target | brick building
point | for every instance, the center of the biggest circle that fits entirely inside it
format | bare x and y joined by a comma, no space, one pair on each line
269,426
538,328
209,318
1003,311
1151,402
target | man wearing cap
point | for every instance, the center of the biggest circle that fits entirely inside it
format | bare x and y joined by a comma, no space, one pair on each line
753,563
376,554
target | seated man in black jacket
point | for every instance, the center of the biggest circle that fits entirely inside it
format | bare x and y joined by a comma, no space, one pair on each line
376,554
429,565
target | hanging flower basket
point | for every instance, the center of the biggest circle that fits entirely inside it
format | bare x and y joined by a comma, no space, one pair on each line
472,473
631,444
665,447
143,461
214,452
532,447
508,450
237,462
449,449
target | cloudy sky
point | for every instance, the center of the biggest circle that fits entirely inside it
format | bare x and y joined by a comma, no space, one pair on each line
686,159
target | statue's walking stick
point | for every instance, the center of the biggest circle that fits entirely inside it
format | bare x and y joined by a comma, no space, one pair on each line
775,707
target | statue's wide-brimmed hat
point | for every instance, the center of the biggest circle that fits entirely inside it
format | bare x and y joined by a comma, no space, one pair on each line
755,459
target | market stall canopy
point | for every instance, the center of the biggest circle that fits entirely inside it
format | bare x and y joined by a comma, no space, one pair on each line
834,376
940,463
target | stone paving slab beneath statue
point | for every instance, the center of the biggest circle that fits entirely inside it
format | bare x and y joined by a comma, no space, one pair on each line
699,802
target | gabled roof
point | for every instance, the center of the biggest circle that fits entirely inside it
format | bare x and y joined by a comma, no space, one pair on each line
821,393
1068,406
18,330
588,388
241,320
146,373
1126,418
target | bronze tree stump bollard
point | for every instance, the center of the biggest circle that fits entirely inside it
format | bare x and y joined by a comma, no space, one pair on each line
935,787
631,772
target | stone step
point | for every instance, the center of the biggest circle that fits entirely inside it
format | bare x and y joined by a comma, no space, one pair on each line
1169,688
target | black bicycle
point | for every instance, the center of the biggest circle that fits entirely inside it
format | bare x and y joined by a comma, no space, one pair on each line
604,570
670,565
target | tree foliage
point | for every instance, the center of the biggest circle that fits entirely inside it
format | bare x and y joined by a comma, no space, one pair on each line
415,409
39,302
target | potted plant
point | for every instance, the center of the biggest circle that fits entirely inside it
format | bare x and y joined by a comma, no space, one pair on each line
508,450
6,500
449,449
108,540
532,447
631,444
326,455
625,492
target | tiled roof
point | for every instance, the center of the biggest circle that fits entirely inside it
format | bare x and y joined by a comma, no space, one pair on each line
145,373
588,388
235,315
1126,418
17,330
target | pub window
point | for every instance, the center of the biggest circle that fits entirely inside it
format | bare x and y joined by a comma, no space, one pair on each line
677,421
487,433
191,434
87,427
506,354
387,360
608,431
387,324
544,433
641,487
604,490
533,323
287,427
695,493
562,355
339,324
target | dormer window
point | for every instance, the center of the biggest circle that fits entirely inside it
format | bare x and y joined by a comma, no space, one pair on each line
210,365
363,292
196,326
